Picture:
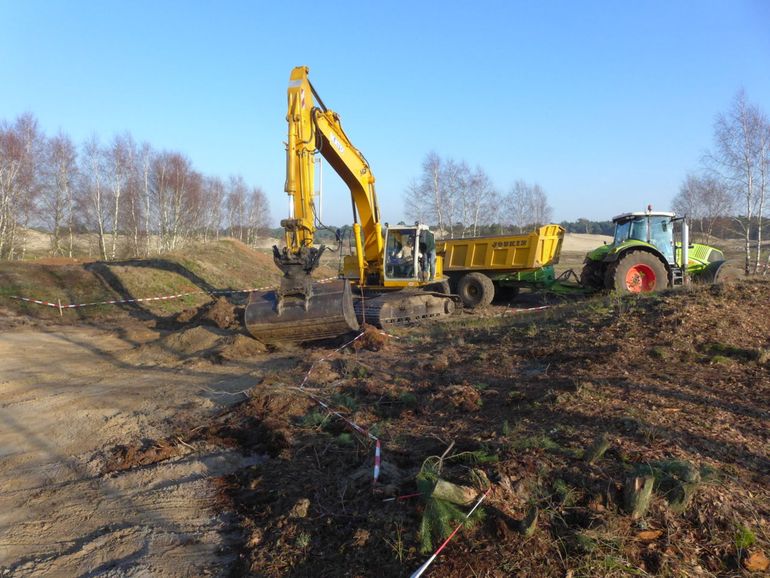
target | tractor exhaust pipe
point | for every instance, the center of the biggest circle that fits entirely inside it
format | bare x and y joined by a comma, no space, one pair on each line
685,251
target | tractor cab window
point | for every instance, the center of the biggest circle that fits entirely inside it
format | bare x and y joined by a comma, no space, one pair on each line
662,236
639,229
621,232
401,254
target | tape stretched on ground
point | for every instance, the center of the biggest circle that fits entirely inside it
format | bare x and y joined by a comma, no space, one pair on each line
142,299
352,424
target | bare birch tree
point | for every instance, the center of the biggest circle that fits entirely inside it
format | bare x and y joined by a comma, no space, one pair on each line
236,206
424,197
213,199
58,200
517,206
740,157
526,206
11,161
704,200
93,186
119,166
28,181
257,214
145,165
541,210
479,206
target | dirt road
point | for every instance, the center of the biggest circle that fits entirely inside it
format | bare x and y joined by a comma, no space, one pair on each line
68,398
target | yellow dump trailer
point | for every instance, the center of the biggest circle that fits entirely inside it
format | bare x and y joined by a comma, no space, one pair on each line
478,267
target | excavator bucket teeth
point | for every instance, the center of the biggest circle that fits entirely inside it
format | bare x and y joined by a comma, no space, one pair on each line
326,314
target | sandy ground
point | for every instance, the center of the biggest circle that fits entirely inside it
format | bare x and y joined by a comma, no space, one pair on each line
67,399
582,243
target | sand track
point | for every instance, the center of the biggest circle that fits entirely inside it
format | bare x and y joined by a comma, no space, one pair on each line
67,399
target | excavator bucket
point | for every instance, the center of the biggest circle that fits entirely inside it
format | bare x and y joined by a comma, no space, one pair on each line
328,312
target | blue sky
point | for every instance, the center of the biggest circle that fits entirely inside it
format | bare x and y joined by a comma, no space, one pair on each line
606,104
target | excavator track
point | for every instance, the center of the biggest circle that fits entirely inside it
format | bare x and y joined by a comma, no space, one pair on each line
333,311
403,307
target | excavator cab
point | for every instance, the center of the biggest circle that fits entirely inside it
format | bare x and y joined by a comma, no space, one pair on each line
405,259
402,255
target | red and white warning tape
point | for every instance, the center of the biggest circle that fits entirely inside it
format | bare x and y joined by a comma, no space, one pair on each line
61,306
400,498
508,311
419,572
364,432
377,460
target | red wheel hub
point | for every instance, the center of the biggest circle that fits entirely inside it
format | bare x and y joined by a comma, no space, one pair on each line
640,279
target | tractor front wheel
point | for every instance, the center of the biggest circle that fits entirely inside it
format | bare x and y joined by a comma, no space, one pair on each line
637,272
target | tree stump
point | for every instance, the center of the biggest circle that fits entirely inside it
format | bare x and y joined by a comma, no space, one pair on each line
637,494
596,450
529,523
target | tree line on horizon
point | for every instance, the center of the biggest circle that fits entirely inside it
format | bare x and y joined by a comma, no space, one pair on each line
463,202
136,201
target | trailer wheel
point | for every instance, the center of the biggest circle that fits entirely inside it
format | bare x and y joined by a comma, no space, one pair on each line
476,290
637,272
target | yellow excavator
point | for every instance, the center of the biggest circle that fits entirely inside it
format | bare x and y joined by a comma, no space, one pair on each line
384,282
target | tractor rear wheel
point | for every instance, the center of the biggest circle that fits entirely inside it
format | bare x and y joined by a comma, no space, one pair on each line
637,272
592,275
476,290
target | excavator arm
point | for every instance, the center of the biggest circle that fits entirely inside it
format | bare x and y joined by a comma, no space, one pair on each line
300,310
314,129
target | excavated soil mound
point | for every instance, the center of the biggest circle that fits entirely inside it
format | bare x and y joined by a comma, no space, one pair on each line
190,341
125,457
238,348
176,347
220,313
372,339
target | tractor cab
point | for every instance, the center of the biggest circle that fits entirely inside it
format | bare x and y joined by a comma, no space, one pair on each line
656,229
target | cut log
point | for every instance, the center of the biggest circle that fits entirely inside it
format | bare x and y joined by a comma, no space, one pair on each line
449,492
637,494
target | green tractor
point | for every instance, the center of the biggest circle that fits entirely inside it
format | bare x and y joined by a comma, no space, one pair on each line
646,255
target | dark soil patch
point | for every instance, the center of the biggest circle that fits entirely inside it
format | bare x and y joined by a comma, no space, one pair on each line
144,453
666,379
